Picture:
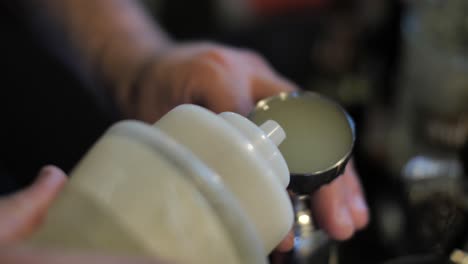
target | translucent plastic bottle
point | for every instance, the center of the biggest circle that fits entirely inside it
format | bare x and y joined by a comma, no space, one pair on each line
194,188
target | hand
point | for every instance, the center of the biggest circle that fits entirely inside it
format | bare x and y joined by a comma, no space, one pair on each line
339,208
226,79
22,213
218,78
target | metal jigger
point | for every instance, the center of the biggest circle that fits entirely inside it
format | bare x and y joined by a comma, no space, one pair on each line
320,131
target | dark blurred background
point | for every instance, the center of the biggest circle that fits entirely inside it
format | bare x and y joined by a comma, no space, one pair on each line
399,67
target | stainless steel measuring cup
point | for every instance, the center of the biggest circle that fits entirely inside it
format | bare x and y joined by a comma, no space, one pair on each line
320,136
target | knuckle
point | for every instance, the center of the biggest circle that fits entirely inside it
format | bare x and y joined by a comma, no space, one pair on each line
255,57
207,70
215,54
206,74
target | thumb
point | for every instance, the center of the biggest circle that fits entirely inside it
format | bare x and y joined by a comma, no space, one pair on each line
21,213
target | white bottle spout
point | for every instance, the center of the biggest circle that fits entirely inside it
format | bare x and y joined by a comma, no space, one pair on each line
273,131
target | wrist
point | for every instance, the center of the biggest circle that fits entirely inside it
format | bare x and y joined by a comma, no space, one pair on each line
122,64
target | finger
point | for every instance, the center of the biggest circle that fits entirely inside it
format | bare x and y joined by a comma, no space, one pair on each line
270,85
22,212
219,89
255,60
224,93
266,81
331,210
287,244
219,100
355,198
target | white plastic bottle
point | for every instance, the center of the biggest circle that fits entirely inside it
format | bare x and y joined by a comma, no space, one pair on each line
194,188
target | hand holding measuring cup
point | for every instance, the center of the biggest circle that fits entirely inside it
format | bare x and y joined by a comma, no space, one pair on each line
320,139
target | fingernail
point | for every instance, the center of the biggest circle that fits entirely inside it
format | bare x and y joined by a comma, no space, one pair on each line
359,204
50,177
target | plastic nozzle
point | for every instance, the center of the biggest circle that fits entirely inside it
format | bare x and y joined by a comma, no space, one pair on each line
273,131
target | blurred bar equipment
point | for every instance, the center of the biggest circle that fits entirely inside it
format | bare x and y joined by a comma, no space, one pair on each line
424,134
416,135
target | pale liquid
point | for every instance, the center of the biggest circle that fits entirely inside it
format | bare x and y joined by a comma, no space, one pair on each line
318,133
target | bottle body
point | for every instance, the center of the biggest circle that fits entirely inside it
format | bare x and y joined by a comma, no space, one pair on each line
140,191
